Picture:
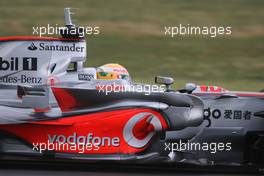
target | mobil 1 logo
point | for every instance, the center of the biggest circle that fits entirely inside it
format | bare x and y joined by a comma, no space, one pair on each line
12,66
19,64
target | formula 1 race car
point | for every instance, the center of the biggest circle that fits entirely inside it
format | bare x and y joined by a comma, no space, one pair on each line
51,107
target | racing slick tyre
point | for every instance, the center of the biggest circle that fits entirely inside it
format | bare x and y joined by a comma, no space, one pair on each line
255,148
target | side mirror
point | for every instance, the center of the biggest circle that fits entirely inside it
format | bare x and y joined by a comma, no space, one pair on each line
168,81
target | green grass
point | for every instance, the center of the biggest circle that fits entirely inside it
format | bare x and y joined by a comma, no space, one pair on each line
132,34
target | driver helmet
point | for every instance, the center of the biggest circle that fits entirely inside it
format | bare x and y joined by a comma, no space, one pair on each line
112,71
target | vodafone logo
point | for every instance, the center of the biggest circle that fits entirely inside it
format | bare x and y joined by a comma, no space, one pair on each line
140,129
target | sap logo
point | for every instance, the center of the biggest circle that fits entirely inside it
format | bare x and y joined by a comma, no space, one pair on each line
32,47
15,64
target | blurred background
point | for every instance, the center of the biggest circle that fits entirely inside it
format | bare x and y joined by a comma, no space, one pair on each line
132,34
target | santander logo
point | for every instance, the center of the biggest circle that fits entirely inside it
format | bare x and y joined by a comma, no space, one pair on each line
140,129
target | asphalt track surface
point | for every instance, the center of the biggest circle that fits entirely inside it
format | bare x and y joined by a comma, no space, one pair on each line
15,168
87,173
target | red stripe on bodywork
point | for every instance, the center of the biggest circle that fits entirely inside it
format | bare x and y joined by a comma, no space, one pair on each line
239,94
65,100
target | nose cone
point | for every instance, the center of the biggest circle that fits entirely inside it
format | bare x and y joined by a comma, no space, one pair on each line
182,117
